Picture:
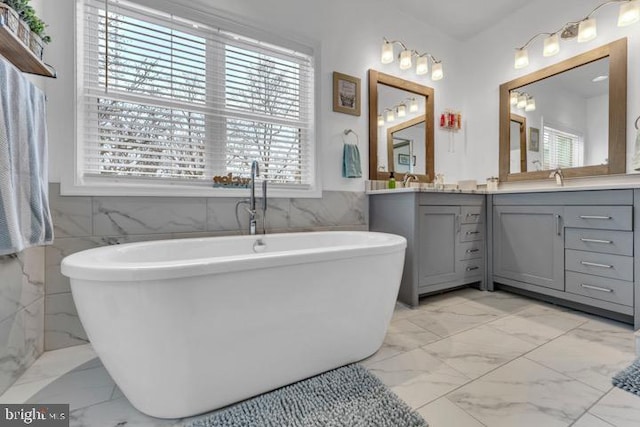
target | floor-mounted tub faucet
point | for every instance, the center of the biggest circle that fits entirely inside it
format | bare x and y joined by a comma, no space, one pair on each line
557,174
255,171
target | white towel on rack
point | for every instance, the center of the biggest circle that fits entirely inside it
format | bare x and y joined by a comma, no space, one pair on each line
25,219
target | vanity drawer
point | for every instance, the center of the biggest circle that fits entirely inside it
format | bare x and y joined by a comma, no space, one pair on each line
616,291
614,266
603,241
471,250
602,217
471,232
471,268
471,214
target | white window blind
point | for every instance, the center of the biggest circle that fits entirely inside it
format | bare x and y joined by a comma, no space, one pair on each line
561,149
165,98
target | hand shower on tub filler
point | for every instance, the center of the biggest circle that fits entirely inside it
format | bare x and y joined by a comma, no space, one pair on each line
251,210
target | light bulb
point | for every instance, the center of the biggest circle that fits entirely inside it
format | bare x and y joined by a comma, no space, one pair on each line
551,45
436,71
387,53
587,30
522,101
629,13
405,59
390,116
413,105
522,58
513,97
402,110
380,120
422,65
531,104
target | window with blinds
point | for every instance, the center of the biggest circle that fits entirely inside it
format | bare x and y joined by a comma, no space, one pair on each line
165,98
561,149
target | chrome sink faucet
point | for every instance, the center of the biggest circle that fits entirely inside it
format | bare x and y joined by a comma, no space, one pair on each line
408,178
557,174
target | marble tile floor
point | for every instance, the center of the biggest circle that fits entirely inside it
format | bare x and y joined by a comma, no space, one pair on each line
462,359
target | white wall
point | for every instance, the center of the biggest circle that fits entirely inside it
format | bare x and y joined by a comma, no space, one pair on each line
348,35
490,56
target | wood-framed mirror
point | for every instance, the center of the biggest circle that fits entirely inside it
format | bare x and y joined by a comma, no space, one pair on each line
403,143
575,120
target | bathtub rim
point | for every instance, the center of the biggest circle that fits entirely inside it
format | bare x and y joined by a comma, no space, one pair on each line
83,266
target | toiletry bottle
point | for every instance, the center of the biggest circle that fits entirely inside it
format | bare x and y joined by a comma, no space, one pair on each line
392,181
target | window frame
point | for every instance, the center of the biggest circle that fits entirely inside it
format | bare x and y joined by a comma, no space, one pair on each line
74,183
556,129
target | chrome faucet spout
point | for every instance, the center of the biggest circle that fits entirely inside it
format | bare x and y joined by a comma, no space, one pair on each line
408,178
558,175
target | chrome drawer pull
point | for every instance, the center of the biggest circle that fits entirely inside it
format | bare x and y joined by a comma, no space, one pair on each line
596,288
594,264
472,268
471,251
608,242
594,217
469,215
469,233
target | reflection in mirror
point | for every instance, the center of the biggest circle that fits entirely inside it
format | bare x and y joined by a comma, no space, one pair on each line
574,116
518,145
400,128
405,146
571,114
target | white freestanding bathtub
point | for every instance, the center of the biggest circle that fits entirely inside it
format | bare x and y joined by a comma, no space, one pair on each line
187,326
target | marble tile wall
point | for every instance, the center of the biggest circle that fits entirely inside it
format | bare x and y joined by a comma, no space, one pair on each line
87,222
21,313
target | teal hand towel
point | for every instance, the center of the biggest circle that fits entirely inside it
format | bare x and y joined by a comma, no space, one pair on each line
351,161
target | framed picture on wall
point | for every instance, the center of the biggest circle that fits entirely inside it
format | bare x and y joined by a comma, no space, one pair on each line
403,159
346,94
534,139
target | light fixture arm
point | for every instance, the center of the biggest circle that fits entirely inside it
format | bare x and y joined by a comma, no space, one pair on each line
602,5
413,51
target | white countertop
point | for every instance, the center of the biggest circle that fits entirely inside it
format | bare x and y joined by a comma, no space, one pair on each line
613,182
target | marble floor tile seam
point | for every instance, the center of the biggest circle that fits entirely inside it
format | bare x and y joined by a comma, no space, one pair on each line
567,375
587,411
522,356
457,406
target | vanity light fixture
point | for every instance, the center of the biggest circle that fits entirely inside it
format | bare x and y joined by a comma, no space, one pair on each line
600,78
406,56
401,110
585,30
390,115
522,101
531,104
513,97
413,105
380,120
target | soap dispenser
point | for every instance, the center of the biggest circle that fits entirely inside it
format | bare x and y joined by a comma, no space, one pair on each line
392,180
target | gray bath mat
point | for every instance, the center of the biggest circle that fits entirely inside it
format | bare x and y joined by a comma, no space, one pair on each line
629,378
349,396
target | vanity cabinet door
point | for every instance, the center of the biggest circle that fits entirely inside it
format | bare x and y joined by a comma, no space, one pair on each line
439,226
528,245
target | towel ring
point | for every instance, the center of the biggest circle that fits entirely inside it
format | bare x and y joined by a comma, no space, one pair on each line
637,120
347,132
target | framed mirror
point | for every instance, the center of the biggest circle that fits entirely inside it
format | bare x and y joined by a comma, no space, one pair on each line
571,115
401,128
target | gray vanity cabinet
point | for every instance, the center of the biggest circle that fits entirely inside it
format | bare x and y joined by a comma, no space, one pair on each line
528,245
445,238
438,229
574,248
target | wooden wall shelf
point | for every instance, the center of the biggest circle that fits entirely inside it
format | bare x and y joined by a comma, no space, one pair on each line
20,55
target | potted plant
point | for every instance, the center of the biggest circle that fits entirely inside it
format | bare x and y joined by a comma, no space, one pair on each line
30,29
